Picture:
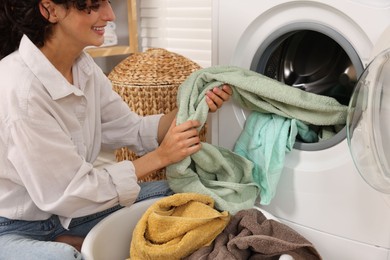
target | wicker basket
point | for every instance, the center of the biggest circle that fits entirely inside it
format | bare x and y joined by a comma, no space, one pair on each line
148,82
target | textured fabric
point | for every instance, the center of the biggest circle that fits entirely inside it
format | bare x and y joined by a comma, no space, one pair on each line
218,172
34,239
176,226
257,92
19,247
250,235
51,132
265,141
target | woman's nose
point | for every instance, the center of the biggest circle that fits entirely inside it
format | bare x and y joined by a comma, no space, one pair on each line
106,11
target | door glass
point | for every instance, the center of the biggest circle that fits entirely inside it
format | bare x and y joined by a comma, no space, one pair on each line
368,123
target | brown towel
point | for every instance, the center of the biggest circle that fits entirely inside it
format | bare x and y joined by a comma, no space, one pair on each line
176,226
250,235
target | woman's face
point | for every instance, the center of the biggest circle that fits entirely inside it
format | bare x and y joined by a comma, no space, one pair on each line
82,28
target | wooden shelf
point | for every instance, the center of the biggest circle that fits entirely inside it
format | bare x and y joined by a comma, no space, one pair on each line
109,51
133,36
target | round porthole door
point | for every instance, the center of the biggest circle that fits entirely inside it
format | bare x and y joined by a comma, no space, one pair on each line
368,123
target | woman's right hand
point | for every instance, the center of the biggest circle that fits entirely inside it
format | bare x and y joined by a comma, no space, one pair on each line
179,142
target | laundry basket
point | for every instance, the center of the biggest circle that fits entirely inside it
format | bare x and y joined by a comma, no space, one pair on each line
148,82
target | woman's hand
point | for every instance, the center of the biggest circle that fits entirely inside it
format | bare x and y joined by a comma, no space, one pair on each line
218,96
179,142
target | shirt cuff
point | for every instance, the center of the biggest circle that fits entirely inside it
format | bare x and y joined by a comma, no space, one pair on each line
125,181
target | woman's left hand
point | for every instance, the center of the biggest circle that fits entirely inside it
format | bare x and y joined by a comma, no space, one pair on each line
216,97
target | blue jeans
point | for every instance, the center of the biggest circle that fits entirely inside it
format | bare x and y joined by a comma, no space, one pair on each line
33,240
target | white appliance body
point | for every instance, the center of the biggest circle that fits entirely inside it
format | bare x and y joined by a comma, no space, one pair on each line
320,193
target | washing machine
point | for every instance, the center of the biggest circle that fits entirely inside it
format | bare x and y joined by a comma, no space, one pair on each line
323,47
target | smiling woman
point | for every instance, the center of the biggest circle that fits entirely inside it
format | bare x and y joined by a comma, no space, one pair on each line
16,19
57,110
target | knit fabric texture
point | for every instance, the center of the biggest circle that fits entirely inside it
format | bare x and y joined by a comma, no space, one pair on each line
265,141
176,226
250,235
221,173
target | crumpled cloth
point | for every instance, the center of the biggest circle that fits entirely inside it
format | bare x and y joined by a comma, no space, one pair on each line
218,172
176,226
250,235
265,141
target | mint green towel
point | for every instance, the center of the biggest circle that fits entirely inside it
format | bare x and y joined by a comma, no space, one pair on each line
265,140
220,173
257,92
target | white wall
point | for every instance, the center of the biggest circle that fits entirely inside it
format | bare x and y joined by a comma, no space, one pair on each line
181,26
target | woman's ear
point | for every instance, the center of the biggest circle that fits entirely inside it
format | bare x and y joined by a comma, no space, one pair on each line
48,10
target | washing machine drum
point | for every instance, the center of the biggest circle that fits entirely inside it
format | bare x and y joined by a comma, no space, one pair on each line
368,123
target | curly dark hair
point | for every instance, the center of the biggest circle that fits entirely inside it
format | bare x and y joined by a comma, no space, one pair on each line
19,17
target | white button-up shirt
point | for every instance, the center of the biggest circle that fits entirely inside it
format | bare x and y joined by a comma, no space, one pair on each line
51,132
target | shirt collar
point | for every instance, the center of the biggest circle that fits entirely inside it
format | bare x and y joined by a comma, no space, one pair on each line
55,83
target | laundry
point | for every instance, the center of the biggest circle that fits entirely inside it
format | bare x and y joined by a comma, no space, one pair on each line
221,173
250,235
265,140
176,226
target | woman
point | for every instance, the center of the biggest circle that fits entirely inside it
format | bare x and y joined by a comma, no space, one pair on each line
57,109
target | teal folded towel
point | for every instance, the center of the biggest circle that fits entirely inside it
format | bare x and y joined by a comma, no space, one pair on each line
265,141
221,173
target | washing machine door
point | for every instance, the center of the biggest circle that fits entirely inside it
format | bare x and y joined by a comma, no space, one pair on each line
368,123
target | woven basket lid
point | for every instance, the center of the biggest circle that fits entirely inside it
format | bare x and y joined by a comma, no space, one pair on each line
154,67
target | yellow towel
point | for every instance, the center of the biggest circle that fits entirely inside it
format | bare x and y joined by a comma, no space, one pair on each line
176,226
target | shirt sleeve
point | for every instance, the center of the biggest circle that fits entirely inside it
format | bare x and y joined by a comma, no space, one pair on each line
54,137
58,179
